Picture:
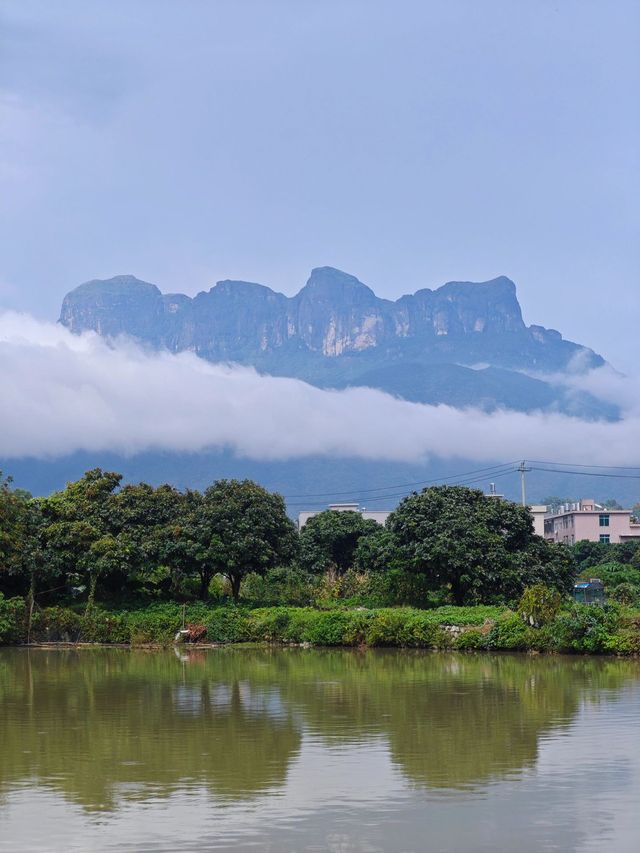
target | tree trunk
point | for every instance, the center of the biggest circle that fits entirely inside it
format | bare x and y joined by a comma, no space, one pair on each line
93,583
205,580
457,594
235,581
32,598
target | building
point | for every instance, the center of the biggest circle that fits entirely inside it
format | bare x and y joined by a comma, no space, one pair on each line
589,592
588,520
539,513
375,515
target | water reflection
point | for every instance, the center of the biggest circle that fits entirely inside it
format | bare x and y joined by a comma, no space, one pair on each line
104,727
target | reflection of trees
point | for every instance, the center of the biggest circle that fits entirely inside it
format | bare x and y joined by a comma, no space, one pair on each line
451,720
97,724
102,725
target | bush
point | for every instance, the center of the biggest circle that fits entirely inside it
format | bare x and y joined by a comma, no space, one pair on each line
473,640
300,628
227,625
539,605
267,624
12,620
387,628
586,628
613,629
329,628
156,624
509,634
56,624
624,593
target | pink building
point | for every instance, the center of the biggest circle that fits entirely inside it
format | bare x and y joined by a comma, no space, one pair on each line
589,520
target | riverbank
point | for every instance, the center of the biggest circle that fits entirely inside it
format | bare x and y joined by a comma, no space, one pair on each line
613,629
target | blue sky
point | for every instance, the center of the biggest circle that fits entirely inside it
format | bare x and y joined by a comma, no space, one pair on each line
409,143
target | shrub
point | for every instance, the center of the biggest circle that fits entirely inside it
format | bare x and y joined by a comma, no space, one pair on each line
97,626
329,628
387,628
539,605
423,632
624,593
56,624
586,628
267,624
12,620
298,628
227,625
509,633
472,640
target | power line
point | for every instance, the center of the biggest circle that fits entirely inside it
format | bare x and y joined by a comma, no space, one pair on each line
403,494
469,478
588,473
485,471
582,465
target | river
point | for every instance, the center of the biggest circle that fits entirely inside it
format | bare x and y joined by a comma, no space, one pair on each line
312,750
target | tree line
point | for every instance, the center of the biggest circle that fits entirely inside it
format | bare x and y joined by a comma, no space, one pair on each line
97,538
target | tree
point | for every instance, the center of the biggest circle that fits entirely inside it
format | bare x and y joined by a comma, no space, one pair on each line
329,540
612,503
554,502
483,549
79,538
376,552
140,516
235,528
181,544
588,554
12,512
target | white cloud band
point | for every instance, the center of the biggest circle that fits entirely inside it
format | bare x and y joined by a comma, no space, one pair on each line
60,393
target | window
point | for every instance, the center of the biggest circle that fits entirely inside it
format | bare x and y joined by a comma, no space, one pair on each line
604,537
604,521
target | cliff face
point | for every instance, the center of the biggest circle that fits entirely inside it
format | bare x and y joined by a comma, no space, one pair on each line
337,332
333,315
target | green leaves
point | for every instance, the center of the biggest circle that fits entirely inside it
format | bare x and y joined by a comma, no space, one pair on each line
483,549
329,541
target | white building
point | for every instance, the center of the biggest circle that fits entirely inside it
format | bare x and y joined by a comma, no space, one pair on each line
538,511
375,515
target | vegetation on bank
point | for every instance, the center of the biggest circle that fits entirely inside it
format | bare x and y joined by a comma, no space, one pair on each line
613,629
452,568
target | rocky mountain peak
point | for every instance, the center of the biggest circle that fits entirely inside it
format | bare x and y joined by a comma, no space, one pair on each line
331,283
335,331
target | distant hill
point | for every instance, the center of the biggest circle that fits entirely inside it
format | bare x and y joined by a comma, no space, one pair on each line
322,480
464,344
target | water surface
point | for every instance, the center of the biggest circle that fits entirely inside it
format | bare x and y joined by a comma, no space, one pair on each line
296,749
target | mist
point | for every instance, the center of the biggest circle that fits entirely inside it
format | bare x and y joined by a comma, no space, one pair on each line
63,393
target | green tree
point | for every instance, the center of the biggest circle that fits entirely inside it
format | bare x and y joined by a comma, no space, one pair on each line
483,549
182,543
140,518
329,540
12,516
79,540
235,528
376,552
554,502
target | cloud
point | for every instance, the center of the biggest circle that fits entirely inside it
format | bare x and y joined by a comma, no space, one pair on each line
62,393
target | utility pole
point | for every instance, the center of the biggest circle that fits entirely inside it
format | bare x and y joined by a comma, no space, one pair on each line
522,468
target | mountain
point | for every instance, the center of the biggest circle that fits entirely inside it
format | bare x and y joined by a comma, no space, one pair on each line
322,479
464,344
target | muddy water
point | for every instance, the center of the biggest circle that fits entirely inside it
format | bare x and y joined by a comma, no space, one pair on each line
294,749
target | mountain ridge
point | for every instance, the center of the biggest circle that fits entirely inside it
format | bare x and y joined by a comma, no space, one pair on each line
335,331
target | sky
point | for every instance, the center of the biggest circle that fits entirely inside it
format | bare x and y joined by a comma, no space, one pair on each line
408,143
